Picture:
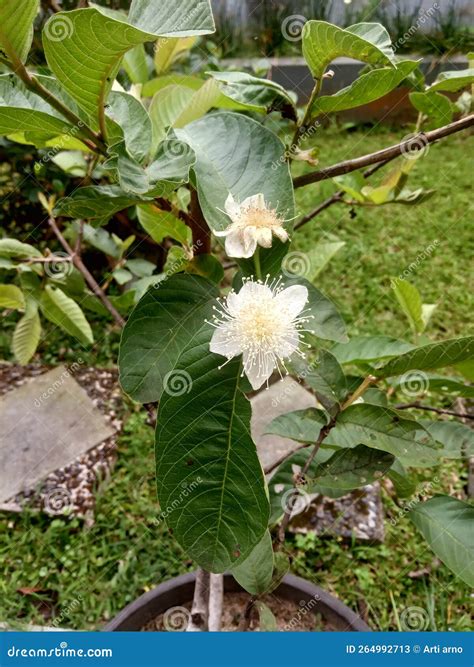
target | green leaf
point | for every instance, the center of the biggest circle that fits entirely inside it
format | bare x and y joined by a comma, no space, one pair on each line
122,276
324,320
367,88
350,469
256,571
235,155
409,299
11,296
134,123
256,94
453,80
24,111
168,50
405,484
151,87
323,42
268,622
17,250
16,26
207,266
98,203
457,439
381,428
325,377
225,515
446,524
164,321
27,333
447,385
135,64
161,224
300,425
437,107
140,267
369,349
436,355
108,38
319,257
281,568
65,313
99,238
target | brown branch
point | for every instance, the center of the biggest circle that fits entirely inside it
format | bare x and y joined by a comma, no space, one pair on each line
199,227
439,411
271,467
413,144
88,277
200,607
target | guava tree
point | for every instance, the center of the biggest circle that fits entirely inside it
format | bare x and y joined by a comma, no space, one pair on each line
207,177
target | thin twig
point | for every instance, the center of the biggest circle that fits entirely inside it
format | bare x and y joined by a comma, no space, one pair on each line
271,467
360,391
200,607
439,411
216,602
88,277
413,144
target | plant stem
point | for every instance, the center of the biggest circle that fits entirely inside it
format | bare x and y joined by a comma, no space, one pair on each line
370,379
439,411
216,602
420,140
88,277
199,227
200,607
256,261
307,114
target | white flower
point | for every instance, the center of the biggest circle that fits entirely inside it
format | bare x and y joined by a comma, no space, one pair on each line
253,223
263,323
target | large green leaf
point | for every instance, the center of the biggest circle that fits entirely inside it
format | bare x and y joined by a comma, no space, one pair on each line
62,311
256,571
256,94
325,377
436,355
16,26
322,42
437,107
98,203
11,296
91,44
203,443
300,425
378,427
163,322
23,111
134,122
235,154
27,333
446,524
350,469
367,88
453,80
369,349
457,439
154,85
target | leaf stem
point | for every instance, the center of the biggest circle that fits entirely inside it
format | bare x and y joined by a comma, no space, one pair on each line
257,264
307,114
360,391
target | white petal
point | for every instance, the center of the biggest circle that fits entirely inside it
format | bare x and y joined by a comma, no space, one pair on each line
250,237
288,344
235,246
255,201
265,237
232,208
292,299
224,232
280,233
258,370
223,342
252,291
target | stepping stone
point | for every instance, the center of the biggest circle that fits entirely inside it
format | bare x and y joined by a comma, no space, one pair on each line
55,441
358,514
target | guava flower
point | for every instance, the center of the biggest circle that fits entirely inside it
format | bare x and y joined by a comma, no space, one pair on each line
253,223
263,323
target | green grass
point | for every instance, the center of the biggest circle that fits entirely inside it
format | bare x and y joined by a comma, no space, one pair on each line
382,242
90,574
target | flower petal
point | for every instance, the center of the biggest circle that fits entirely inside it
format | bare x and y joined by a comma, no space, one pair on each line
252,291
235,246
292,299
232,208
258,368
264,237
223,342
255,201
288,344
280,233
223,232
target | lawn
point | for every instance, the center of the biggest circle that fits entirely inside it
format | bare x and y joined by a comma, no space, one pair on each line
87,575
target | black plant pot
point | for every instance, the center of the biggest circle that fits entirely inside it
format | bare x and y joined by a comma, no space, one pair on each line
180,590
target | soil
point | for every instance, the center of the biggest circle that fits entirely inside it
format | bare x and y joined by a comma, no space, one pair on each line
290,616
